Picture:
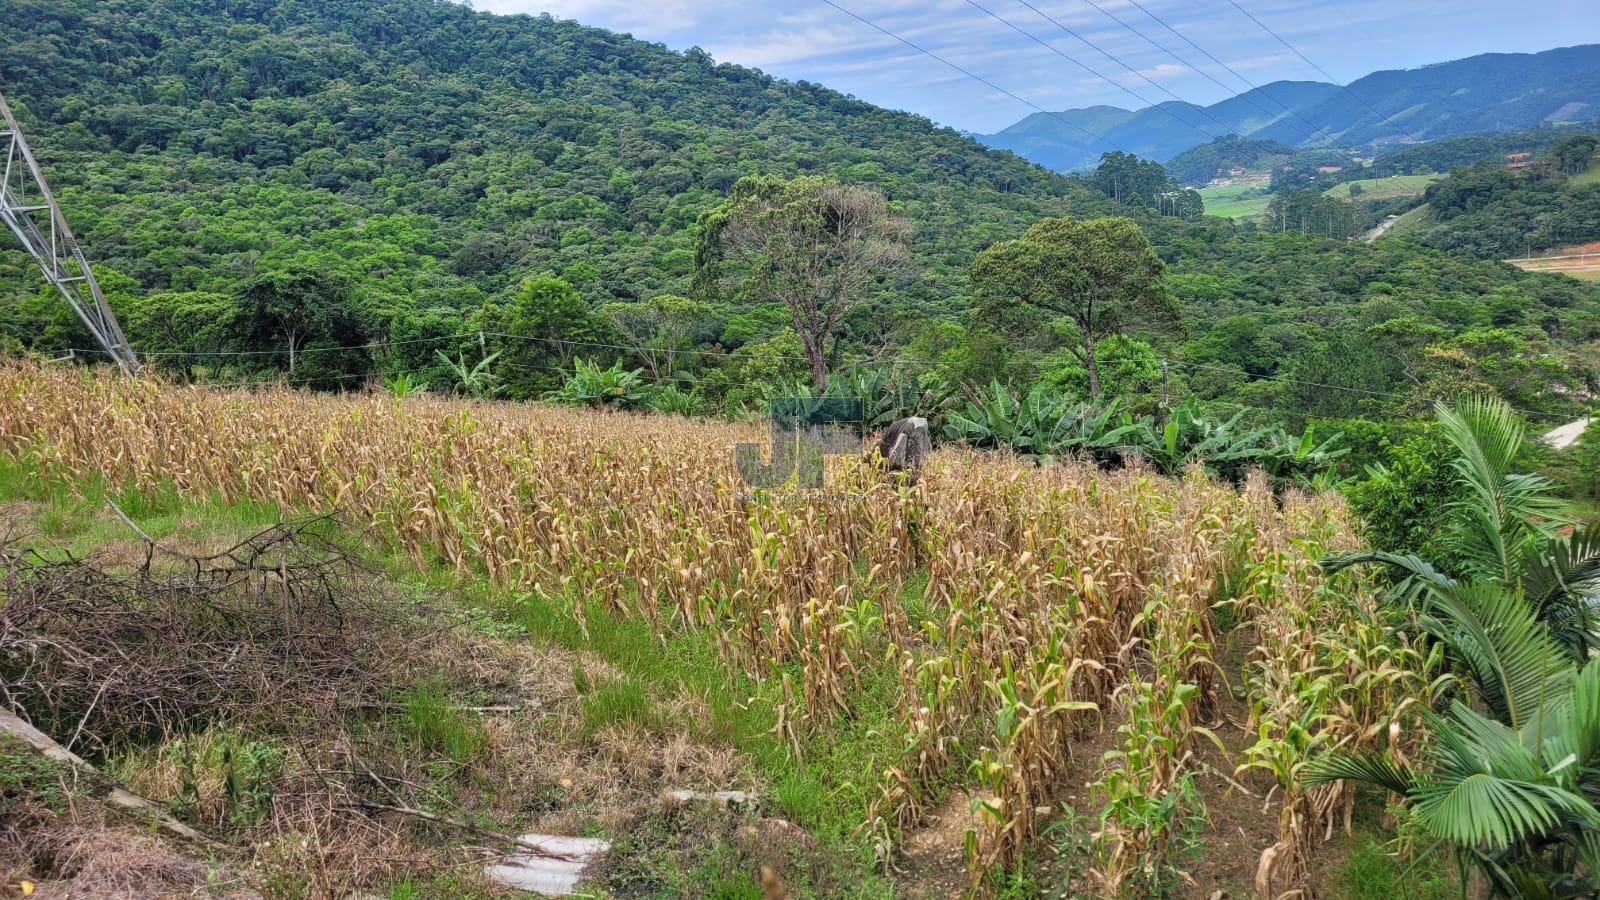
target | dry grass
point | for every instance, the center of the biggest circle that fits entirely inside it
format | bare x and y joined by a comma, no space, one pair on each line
1018,607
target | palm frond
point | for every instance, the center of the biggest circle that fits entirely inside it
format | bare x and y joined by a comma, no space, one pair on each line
1563,584
1417,574
1368,768
1507,515
1482,808
1573,745
1515,664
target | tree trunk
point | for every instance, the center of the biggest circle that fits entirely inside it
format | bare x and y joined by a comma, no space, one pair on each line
1089,365
819,367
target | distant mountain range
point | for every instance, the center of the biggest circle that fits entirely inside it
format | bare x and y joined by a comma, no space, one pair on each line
1489,92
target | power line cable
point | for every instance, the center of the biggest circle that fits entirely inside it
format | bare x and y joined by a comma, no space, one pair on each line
1323,72
975,77
1091,45
1315,128
1231,92
1160,87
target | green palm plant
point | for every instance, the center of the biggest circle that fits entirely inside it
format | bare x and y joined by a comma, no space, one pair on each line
1513,789
1510,531
1510,517
1513,778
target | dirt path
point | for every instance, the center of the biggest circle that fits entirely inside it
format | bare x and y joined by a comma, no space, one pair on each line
1383,226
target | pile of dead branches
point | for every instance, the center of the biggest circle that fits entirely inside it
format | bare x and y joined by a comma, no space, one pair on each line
280,624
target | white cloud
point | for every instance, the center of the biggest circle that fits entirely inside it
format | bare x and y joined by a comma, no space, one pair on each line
1262,62
1164,70
773,48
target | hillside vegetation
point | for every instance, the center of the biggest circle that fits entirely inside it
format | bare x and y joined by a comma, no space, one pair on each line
432,154
435,198
1200,164
1488,211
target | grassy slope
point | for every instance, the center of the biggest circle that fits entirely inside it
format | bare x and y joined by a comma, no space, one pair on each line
1412,223
1384,188
1590,175
1236,201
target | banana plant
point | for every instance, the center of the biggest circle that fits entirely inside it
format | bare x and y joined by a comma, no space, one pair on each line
889,394
591,385
475,380
1301,458
1040,423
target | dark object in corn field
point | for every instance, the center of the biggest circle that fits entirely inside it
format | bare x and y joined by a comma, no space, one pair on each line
906,445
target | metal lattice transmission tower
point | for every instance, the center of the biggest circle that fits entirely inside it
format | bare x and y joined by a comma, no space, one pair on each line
30,211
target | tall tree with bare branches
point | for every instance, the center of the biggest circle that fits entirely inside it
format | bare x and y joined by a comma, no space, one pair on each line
811,243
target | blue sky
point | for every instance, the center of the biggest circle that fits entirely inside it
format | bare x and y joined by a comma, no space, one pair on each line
808,39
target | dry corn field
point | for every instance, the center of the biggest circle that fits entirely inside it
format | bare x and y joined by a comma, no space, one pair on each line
1025,611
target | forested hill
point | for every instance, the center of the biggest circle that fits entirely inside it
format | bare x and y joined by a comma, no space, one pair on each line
437,154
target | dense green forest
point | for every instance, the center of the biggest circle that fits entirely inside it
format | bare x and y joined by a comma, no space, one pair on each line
1471,149
433,155
486,200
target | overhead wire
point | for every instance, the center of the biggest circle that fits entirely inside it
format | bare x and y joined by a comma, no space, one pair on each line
1232,92
976,77
1090,44
1315,128
1323,72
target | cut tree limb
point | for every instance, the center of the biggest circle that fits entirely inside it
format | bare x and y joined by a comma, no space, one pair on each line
116,795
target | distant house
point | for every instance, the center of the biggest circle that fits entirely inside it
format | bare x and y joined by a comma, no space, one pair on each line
1236,170
1522,159
1329,170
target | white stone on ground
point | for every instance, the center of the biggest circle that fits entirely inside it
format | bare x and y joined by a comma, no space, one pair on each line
555,872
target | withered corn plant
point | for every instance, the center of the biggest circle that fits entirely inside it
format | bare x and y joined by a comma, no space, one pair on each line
1321,674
